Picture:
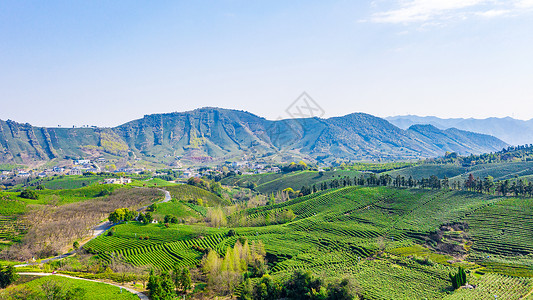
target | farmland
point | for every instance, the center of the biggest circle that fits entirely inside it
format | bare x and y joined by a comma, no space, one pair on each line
360,232
393,242
40,289
272,182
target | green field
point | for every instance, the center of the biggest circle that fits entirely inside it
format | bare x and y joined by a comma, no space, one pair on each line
343,232
153,182
272,182
87,290
179,209
500,171
71,182
395,243
426,170
189,193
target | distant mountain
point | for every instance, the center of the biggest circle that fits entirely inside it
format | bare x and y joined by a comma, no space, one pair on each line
512,131
214,135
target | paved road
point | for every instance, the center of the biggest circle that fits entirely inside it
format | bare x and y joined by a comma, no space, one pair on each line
139,294
167,198
98,230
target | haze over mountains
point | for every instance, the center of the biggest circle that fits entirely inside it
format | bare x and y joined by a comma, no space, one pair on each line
213,134
509,130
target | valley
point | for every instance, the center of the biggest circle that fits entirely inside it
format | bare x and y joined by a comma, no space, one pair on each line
386,237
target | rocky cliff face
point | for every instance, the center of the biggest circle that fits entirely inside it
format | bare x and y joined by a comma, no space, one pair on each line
216,134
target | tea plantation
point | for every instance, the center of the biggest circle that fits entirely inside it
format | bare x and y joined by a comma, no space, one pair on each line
395,243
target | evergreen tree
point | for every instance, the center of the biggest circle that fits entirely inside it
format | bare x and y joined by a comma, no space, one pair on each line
458,279
8,275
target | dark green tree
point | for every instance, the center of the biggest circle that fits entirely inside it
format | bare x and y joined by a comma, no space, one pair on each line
458,279
160,287
147,218
29,194
167,219
267,289
8,275
301,284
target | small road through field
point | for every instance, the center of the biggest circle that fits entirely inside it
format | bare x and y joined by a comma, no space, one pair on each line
139,294
97,231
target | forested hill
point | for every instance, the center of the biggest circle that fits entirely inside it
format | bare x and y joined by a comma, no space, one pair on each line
211,134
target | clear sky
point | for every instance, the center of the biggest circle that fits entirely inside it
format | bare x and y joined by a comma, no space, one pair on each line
108,62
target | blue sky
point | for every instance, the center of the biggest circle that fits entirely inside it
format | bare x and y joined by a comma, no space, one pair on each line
107,62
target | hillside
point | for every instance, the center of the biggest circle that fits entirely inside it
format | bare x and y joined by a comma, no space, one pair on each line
395,243
274,182
512,131
212,134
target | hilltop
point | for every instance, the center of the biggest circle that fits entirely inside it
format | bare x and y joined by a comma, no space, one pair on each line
213,134
512,131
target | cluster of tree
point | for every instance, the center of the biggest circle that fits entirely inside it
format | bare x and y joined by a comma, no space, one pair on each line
122,214
376,167
29,194
52,227
292,167
301,286
216,217
241,261
161,286
166,285
145,218
208,185
168,174
8,275
458,279
486,185
170,219
512,153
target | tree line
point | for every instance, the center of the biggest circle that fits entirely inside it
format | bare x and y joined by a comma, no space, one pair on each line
487,185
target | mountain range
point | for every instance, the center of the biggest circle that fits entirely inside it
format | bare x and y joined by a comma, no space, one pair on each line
509,130
209,134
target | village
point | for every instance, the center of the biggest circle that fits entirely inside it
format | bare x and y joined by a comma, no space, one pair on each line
88,167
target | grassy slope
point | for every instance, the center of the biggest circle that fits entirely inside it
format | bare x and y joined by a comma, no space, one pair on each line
93,290
176,209
71,182
153,182
189,193
425,171
336,231
272,182
500,171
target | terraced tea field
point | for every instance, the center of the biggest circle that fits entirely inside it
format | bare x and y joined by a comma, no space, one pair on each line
272,182
375,235
10,229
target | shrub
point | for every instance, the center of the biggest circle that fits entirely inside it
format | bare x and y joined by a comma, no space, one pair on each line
29,194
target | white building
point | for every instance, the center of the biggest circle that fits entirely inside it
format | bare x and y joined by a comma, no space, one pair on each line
75,171
120,180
